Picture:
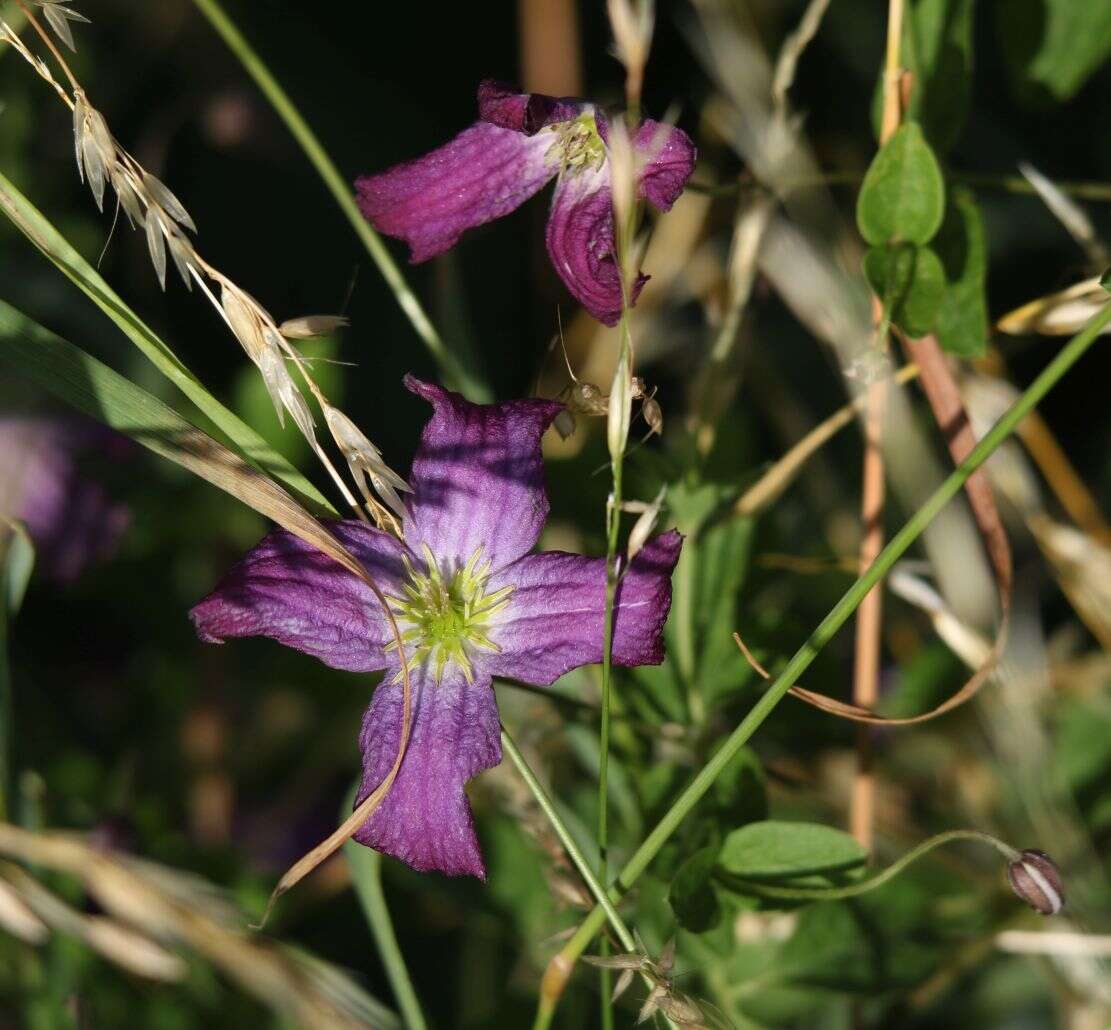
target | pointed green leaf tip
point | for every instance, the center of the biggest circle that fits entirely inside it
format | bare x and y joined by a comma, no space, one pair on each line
774,850
1105,280
902,198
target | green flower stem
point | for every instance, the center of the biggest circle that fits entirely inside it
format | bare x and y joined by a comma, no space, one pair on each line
568,842
827,629
454,373
366,874
768,890
5,711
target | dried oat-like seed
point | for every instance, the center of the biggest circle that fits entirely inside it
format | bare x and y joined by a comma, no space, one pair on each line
167,201
156,244
59,17
307,326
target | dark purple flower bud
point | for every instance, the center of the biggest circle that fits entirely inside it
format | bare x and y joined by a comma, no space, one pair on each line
1036,879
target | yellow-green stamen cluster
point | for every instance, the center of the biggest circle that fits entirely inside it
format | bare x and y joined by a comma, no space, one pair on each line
444,616
579,146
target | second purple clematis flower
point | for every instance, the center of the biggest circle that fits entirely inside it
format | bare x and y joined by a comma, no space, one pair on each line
471,602
520,142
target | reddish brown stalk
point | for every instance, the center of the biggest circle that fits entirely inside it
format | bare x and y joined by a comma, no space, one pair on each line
869,617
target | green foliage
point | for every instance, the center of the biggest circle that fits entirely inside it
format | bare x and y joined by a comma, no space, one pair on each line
692,895
774,850
1053,46
911,283
902,198
962,320
937,52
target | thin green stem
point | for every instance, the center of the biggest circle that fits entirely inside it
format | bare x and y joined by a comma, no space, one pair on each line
366,875
826,630
454,373
852,890
547,806
1082,190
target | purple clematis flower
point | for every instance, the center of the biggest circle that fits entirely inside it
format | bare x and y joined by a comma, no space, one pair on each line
472,603
520,142
71,519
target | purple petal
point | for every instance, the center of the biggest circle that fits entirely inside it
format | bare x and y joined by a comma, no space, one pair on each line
478,477
72,520
482,174
580,242
555,618
425,819
668,155
289,591
498,104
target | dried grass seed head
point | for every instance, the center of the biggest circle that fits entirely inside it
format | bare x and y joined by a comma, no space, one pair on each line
58,16
305,327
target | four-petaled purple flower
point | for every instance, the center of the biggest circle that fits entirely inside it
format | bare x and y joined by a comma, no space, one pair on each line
471,602
71,519
521,141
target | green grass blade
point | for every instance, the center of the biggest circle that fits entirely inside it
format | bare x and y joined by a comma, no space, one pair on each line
455,373
366,875
17,558
252,447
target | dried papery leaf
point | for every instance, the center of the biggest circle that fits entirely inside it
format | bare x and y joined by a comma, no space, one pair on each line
80,111
620,406
633,961
792,49
365,461
129,199
181,251
156,244
101,135
243,321
56,19
1058,314
307,326
17,918
643,527
133,952
1068,212
622,985
651,1003
94,169
167,201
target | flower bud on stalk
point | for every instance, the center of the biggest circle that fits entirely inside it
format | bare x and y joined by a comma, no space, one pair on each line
1036,879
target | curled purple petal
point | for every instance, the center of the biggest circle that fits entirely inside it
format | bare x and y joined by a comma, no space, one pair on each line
287,590
484,173
499,104
72,520
668,157
580,242
555,617
425,819
478,477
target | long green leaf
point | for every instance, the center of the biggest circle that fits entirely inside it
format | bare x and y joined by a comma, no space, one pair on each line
17,558
37,228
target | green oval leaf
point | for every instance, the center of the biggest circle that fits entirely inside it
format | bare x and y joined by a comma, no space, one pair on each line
774,850
17,559
911,283
902,198
691,894
962,320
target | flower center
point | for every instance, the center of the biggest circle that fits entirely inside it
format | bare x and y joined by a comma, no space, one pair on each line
444,616
579,144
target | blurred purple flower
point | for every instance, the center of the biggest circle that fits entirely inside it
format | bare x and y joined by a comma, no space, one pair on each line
72,520
472,604
520,142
